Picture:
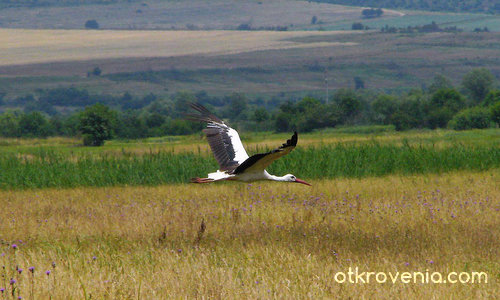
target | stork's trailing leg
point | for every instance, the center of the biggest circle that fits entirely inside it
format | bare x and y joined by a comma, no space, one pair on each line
201,180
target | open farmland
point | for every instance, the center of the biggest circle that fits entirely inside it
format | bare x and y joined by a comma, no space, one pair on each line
192,14
259,241
23,46
220,62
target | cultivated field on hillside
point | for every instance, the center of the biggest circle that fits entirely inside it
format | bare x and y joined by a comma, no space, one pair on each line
256,241
192,14
228,14
255,63
23,46
463,21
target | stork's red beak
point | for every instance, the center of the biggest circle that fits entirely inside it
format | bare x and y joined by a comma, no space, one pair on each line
301,181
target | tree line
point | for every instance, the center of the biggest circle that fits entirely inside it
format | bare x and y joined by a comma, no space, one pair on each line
473,104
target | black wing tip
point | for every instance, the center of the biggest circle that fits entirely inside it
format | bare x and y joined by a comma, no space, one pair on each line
292,142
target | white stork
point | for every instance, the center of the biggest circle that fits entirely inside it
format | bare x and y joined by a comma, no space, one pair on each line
234,162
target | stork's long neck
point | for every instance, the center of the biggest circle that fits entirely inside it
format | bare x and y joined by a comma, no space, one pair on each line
275,178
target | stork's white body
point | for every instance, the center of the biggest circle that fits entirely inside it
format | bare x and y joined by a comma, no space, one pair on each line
234,162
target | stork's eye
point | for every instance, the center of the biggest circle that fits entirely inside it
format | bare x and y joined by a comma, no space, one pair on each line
293,177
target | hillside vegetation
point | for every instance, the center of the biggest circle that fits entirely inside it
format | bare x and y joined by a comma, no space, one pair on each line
441,5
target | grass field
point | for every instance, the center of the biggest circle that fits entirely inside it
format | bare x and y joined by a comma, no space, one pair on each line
259,241
345,155
423,202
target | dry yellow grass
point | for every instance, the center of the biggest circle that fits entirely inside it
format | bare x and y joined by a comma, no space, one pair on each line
261,240
26,46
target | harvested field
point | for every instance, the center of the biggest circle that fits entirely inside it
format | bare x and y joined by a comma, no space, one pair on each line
22,46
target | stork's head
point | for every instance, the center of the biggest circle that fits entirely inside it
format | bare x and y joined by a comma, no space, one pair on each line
292,178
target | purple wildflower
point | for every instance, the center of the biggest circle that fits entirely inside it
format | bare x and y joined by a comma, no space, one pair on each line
407,263
12,281
47,272
14,246
94,257
32,269
53,264
19,271
2,290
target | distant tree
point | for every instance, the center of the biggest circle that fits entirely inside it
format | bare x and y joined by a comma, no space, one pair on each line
283,122
449,98
177,127
432,27
131,126
384,107
439,82
237,106
182,100
478,83
357,26
471,118
348,104
260,115
2,95
24,99
41,106
495,113
358,83
244,26
443,105
314,20
70,125
9,124
155,120
372,12
413,108
33,124
97,124
312,114
96,71
91,24
479,29
492,98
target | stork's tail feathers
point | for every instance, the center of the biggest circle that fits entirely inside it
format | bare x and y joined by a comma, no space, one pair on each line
201,180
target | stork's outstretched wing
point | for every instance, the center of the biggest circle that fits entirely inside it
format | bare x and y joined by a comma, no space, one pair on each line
223,140
260,162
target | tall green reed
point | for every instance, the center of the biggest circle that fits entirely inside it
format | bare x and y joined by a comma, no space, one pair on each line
50,168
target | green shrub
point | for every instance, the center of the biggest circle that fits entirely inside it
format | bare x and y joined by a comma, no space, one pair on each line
495,112
472,118
96,124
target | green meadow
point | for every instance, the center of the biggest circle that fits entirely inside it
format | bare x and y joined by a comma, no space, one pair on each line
322,155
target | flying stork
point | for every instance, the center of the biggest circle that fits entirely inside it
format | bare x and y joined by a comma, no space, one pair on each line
234,162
